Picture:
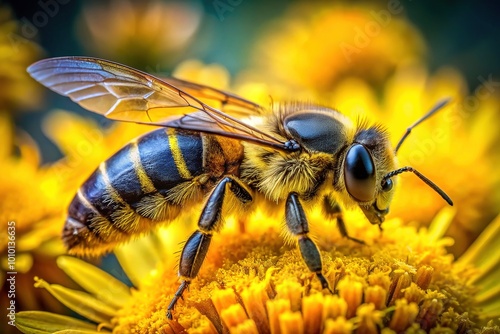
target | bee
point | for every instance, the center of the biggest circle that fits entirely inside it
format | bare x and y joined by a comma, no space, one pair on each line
297,156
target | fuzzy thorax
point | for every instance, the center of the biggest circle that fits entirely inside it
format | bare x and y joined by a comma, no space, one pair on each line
276,175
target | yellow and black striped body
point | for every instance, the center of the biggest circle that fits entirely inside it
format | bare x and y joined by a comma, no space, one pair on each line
147,181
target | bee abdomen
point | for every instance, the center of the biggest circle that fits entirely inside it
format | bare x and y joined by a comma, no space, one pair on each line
130,191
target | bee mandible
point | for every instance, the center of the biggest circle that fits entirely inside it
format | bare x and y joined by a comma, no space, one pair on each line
299,155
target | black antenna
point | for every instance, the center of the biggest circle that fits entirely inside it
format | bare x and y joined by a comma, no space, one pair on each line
421,176
437,107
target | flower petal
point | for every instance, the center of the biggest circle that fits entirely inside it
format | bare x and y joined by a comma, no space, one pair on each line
139,258
483,250
80,302
46,322
96,281
484,256
441,222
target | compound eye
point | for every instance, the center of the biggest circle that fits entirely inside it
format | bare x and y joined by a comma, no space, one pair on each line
387,185
359,173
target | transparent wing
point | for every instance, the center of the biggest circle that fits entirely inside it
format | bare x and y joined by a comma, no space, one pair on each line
230,103
122,93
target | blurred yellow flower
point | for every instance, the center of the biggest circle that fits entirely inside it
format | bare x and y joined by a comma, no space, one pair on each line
139,33
20,190
18,91
401,280
16,53
212,75
314,46
34,227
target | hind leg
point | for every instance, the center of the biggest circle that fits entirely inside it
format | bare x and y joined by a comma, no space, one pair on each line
196,248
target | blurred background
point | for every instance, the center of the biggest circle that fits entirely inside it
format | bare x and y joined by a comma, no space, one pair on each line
388,61
155,36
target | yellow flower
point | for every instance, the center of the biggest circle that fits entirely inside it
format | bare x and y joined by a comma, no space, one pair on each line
151,33
401,280
381,78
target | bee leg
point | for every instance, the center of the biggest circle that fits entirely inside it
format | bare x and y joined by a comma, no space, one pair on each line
333,210
296,223
178,294
196,247
343,231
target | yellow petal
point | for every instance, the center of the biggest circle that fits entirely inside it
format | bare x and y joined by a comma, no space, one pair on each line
404,315
376,295
254,299
369,319
482,251
80,302
482,254
312,310
6,128
99,283
139,258
46,322
352,293
233,315
441,222
338,326
334,307
41,232
275,307
291,323
292,291
246,327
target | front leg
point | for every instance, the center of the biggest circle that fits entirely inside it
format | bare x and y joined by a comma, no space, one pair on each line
196,247
333,210
296,223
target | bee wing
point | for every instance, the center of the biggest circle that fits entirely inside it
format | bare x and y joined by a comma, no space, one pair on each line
122,93
230,103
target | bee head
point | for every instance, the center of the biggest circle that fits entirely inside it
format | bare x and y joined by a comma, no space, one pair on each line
367,162
369,169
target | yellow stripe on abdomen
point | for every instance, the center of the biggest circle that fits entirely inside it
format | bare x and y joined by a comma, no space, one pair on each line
177,154
110,190
146,183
